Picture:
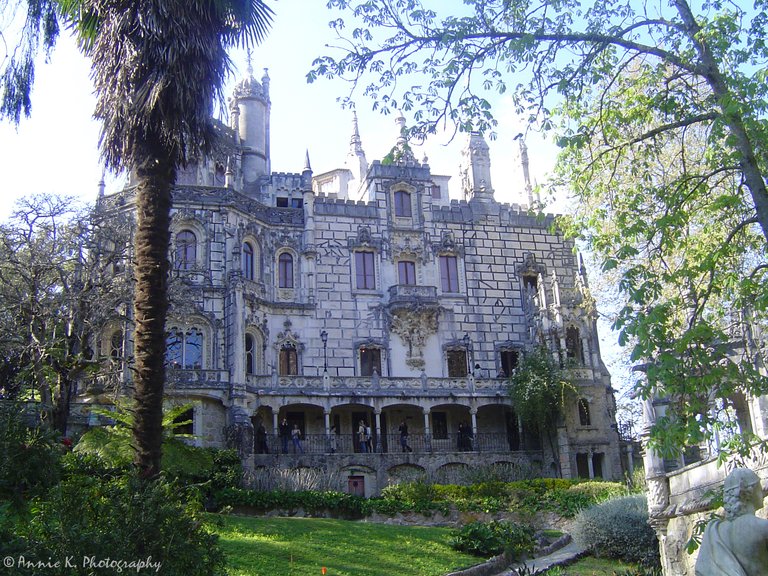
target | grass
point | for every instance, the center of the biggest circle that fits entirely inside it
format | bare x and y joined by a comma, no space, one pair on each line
303,546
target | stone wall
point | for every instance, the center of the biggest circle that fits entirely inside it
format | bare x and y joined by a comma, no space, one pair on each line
680,499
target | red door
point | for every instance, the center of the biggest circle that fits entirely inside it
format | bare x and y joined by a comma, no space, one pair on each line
356,485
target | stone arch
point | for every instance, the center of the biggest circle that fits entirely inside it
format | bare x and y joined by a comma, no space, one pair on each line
405,473
452,473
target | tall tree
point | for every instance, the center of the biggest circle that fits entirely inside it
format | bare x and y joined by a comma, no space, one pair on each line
661,110
158,66
57,289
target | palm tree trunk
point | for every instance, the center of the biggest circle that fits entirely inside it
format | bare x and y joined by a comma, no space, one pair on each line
156,175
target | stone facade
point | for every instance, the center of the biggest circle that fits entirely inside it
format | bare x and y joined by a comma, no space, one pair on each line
366,293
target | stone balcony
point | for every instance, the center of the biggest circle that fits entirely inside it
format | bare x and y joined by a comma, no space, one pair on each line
401,295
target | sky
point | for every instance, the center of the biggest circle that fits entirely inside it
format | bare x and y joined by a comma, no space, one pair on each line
56,150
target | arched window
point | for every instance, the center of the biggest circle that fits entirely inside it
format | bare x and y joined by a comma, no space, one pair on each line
289,360
584,418
248,261
250,354
402,204
184,349
186,250
573,347
285,270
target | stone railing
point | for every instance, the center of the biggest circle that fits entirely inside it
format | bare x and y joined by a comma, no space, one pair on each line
374,384
390,444
410,293
181,378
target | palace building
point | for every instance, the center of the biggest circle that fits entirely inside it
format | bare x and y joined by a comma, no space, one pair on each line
366,294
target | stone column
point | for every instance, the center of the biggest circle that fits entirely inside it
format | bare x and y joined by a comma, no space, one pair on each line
473,416
427,433
377,420
327,417
276,429
590,467
237,320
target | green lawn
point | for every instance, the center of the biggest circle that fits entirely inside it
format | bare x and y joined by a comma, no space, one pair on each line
303,546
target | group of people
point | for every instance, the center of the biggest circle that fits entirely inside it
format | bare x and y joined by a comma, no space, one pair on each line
364,437
292,435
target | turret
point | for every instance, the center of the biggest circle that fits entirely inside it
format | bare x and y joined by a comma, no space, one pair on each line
250,119
476,169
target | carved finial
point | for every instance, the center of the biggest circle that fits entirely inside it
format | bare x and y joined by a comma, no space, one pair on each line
102,186
249,68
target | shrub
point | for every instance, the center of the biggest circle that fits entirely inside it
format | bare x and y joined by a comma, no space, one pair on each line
491,538
29,455
618,529
122,520
313,502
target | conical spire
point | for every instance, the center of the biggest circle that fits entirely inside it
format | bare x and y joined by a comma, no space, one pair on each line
356,160
355,143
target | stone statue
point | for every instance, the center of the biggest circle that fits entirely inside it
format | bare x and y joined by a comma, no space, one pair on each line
738,545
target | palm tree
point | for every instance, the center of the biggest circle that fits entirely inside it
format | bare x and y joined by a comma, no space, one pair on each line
158,66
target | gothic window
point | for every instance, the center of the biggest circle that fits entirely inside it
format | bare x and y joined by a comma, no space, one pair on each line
184,422
250,354
184,348
584,418
573,349
365,274
457,363
186,250
508,360
406,272
370,361
289,360
449,274
116,345
285,270
402,204
248,261
439,425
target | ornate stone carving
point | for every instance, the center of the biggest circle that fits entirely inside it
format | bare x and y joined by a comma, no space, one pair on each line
414,324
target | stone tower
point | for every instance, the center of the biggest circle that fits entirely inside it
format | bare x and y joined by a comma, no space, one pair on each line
250,110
